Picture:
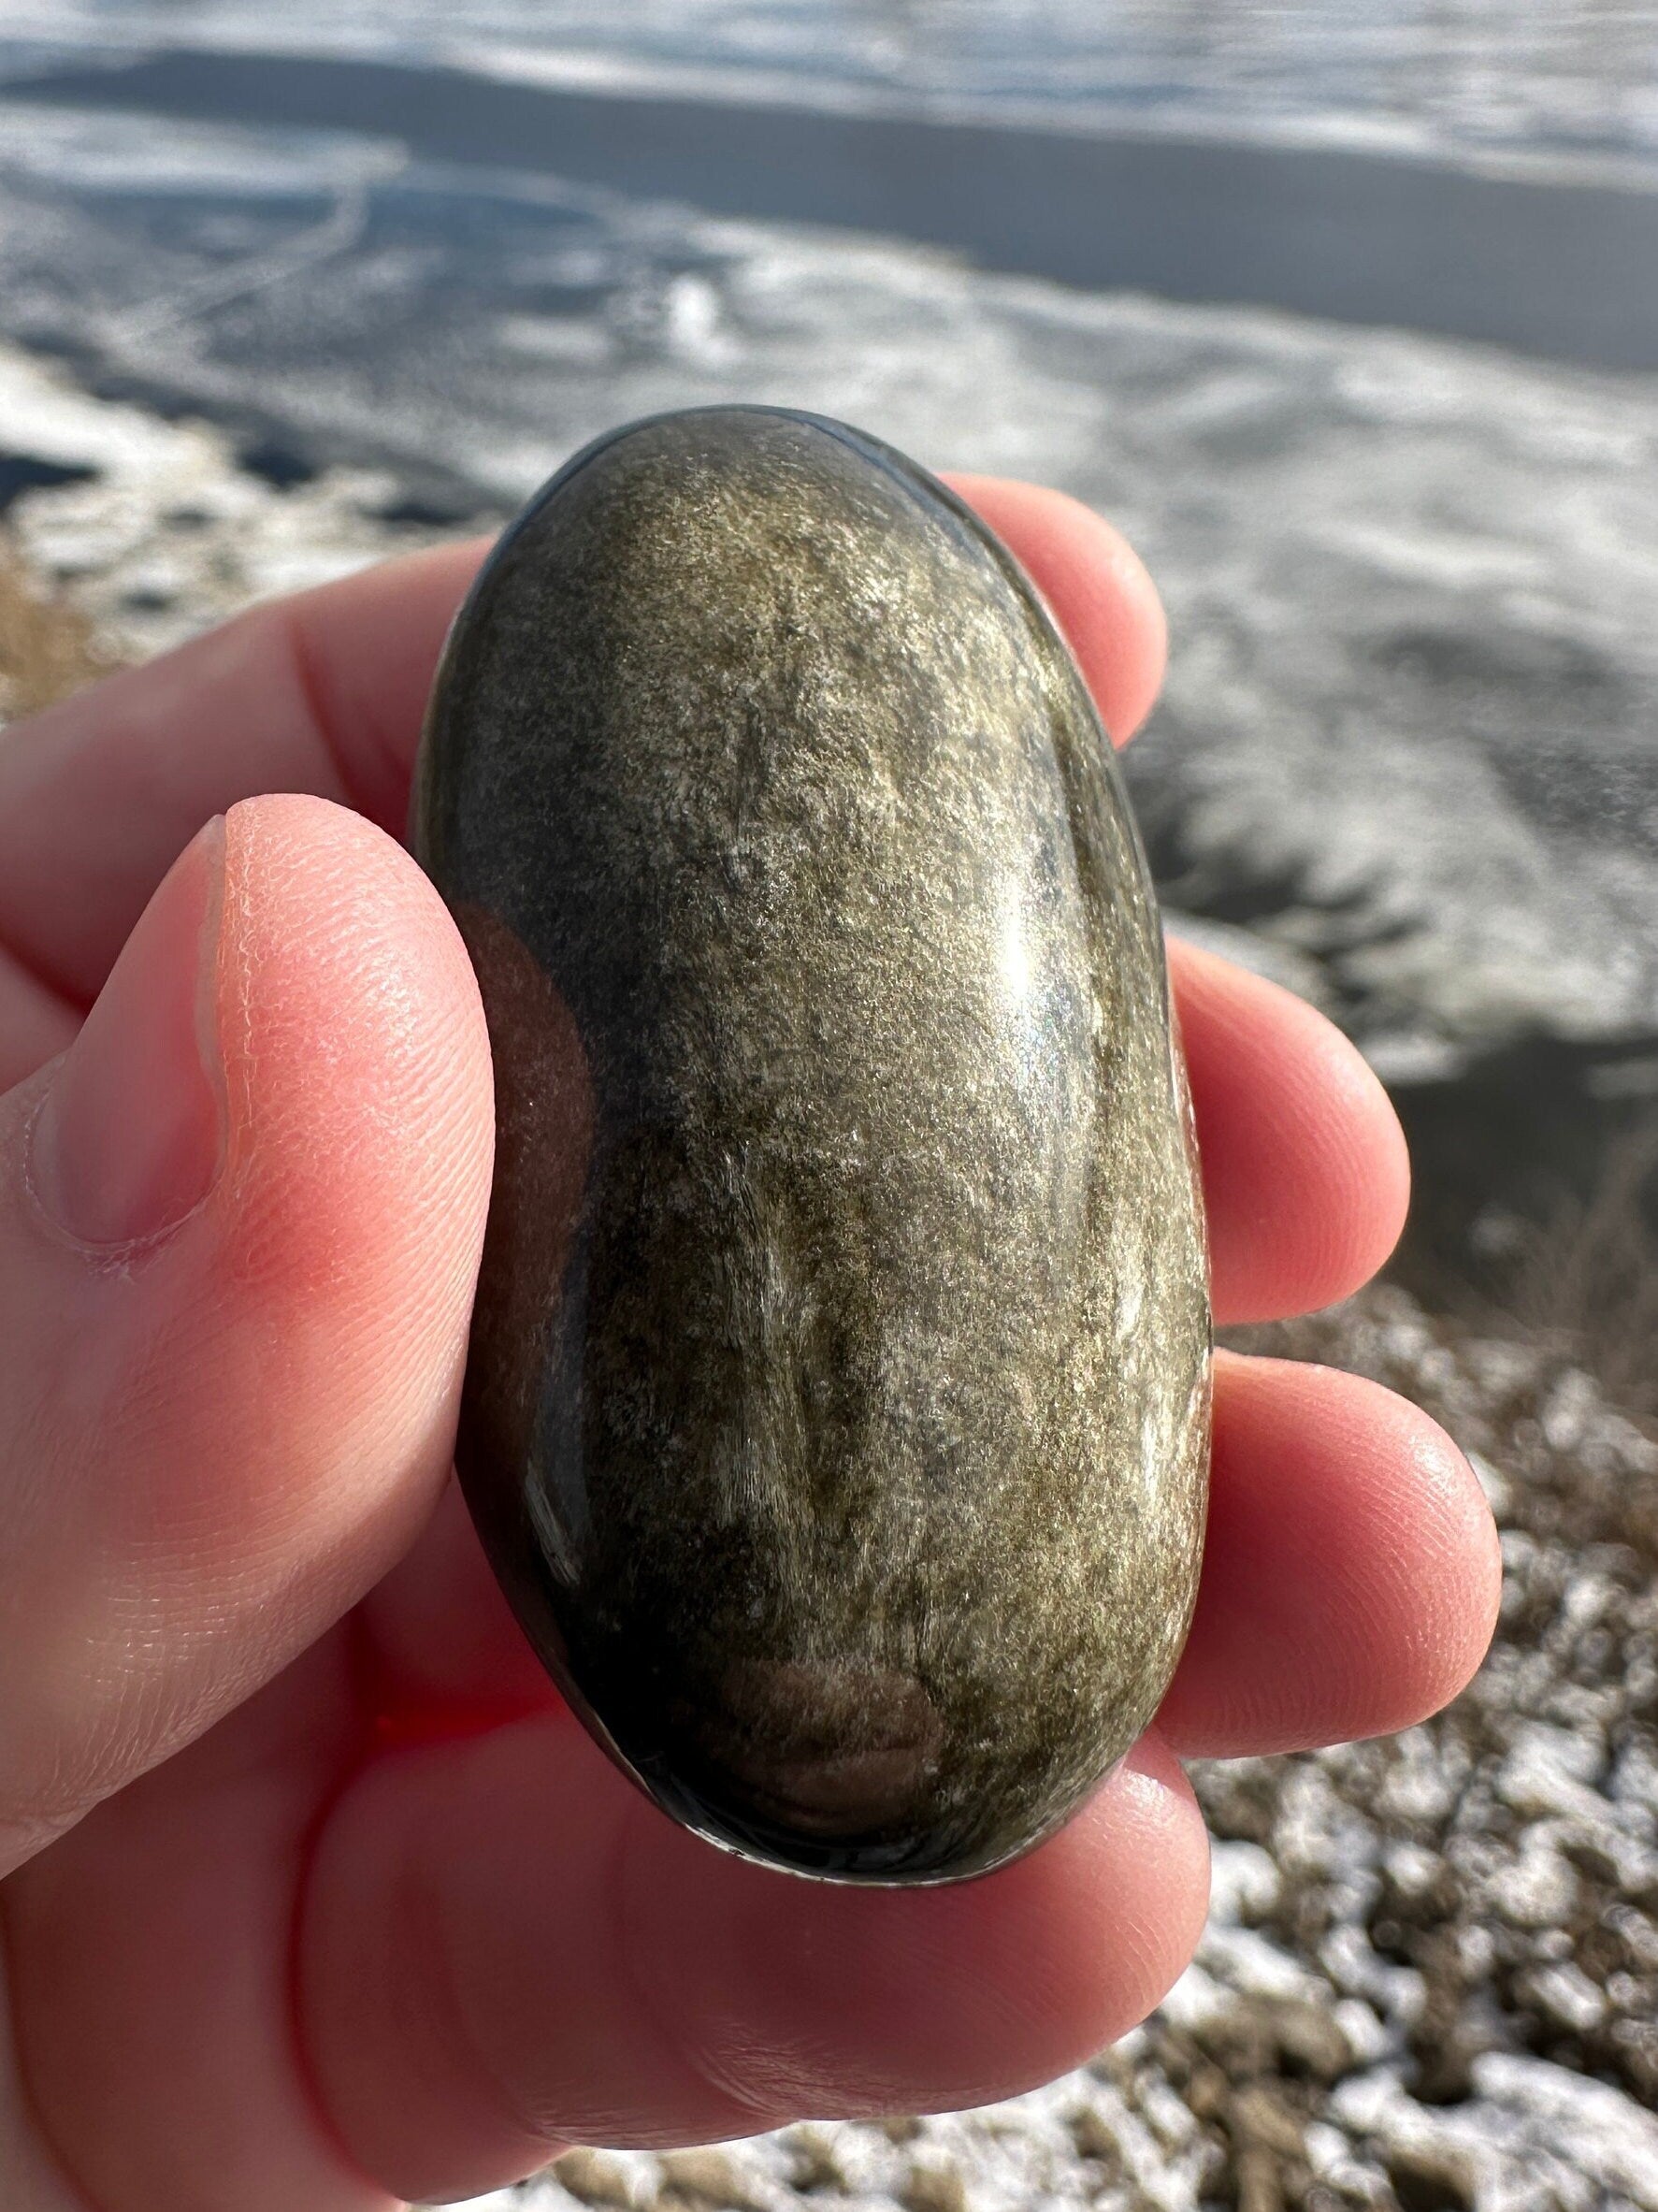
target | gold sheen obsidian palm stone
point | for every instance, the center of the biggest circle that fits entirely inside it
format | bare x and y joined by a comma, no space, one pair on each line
836,1415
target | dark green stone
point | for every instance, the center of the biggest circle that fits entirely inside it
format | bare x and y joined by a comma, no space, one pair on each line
836,1414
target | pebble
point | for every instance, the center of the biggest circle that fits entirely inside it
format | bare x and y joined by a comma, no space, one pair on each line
836,1415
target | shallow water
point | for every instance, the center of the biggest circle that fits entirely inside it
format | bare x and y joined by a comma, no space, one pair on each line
1453,197
1471,72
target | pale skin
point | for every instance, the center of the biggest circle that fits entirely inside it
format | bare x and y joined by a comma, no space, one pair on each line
316,1898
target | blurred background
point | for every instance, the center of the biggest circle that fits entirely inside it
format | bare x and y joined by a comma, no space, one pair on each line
1346,312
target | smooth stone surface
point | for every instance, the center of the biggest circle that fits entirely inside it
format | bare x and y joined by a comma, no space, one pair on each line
837,1407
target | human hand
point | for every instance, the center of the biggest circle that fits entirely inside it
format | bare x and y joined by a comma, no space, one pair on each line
318,1898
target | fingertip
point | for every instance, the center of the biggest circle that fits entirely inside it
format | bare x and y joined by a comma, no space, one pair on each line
1306,1174
875,1999
511,1927
356,1061
1368,1529
1096,587
318,1301
1157,1898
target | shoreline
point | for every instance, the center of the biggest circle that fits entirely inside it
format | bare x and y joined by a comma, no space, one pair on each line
1553,255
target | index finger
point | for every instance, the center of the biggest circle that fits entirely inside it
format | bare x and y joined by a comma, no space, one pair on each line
321,693
325,693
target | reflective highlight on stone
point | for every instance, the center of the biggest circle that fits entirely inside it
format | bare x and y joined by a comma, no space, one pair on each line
836,1414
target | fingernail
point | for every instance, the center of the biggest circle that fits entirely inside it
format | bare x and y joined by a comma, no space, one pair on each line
127,1140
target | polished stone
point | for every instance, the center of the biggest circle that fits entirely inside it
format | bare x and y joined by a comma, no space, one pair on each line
837,1409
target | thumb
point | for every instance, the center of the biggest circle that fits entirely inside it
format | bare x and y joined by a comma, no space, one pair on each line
239,1223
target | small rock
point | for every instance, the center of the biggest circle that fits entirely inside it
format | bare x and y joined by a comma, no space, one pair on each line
817,2164
929,2188
1566,1995
1095,2138
1539,1891
1260,2180
1431,2177
1313,2040
1244,1882
711,2177
597,2178
900,2127
1258,2116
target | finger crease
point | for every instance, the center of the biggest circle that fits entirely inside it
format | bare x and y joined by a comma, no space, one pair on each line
643,1987
23,2094
35,975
